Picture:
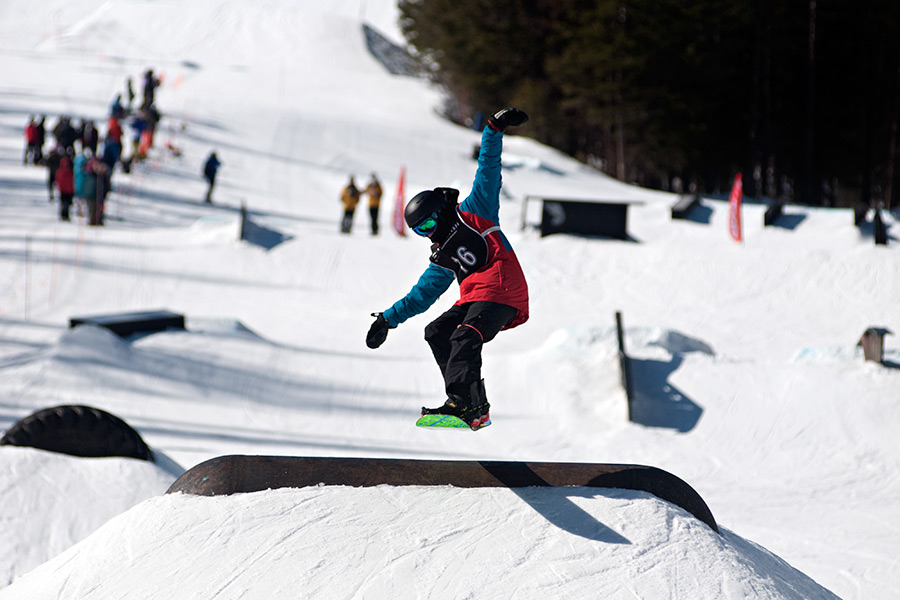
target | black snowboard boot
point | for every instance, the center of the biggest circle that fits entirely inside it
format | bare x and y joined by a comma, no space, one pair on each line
471,407
478,414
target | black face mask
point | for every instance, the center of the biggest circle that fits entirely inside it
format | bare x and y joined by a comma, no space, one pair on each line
446,218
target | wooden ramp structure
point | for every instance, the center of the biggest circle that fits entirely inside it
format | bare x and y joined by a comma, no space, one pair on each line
234,474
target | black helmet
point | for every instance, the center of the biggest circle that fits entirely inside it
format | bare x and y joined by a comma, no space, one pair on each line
423,205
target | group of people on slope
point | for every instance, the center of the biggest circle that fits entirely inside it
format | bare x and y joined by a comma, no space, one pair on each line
350,197
81,161
77,165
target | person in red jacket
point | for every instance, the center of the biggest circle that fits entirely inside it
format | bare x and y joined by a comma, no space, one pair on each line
32,151
65,182
467,245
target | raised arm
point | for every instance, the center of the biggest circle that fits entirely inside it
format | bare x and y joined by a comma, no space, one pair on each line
485,197
484,200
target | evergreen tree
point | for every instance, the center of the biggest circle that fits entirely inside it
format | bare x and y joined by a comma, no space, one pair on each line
802,96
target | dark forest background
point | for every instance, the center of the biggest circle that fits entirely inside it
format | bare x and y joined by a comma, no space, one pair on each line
802,96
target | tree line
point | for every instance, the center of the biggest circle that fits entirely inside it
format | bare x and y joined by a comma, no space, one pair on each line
802,96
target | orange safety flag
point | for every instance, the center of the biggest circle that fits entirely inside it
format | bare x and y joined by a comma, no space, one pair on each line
734,212
400,205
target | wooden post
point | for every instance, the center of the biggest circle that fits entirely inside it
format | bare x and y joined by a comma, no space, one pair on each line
624,363
243,219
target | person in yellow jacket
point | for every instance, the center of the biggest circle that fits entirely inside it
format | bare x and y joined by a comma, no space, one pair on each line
373,190
349,198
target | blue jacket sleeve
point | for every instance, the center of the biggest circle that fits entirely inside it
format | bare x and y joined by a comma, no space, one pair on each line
433,282
484,200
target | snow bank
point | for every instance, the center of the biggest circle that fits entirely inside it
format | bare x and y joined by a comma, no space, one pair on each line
48,501
388,542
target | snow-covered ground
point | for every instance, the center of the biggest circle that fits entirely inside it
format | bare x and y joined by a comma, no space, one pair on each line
750,387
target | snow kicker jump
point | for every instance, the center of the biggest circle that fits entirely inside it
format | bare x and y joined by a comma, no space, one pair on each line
235,474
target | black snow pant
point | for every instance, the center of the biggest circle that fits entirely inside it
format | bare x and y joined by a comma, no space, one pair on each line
457,336
347,221
373,217
65,203
212,184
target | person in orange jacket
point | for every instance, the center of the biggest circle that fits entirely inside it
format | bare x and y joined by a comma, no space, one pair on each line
373,190
349,198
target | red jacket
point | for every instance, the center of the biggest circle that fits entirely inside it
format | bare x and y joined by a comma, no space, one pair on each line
501,280
115,130
31,133
65,177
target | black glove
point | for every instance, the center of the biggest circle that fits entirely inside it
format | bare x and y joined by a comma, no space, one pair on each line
508,117
378,331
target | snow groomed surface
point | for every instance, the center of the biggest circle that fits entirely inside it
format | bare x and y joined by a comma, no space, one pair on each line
748,382
228,475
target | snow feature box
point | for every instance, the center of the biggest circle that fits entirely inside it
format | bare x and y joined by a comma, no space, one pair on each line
236,474
131,323
584,217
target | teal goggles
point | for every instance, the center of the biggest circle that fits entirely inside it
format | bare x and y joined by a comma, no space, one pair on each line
426,227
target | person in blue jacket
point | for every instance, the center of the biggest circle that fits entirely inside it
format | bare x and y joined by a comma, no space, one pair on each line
468,246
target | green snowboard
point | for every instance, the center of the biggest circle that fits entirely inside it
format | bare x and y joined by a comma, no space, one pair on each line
447,422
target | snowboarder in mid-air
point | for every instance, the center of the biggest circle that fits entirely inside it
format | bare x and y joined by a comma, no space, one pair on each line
467,245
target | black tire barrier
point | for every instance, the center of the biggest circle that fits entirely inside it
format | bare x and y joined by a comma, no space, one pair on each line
78,431
236,474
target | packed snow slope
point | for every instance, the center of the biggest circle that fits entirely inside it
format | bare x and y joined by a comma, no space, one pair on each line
749,385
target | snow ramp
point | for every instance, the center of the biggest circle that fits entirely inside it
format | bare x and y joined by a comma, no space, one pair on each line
227,475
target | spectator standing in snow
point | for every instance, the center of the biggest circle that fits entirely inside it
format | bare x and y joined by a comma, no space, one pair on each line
90,137
150,84
95,190
32,151
112,150
138,126
52,162
79,176
373,190
65,134
349,198
41,138
112,145
65,182
114,130
210,168
116,109
89,190
152,117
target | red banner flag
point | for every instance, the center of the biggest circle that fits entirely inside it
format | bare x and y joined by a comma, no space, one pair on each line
734,212
400,205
